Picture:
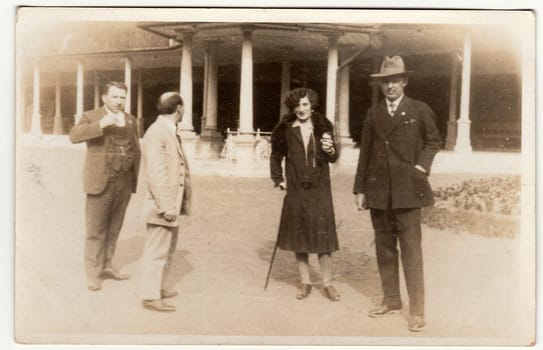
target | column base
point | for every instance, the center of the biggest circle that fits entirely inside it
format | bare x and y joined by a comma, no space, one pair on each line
189,139
245,154
35,128
463,141
451,135
57,125
209,145
346,141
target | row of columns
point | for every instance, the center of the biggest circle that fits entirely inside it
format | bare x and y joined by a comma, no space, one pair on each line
458,131
79,105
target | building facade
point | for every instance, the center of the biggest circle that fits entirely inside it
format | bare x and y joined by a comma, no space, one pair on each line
233,77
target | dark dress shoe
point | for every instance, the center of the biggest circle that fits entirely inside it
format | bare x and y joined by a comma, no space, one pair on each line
158,305
383,311
168,293
304,292
331,293
109,273
416,323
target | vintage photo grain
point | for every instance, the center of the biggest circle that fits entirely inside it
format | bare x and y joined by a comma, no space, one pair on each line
275,177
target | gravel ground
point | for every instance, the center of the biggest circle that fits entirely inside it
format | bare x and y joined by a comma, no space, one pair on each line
475,286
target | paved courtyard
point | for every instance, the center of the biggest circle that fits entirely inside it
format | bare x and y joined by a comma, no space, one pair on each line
476,291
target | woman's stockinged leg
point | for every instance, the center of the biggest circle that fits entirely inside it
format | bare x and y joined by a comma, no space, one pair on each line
302,260
325,261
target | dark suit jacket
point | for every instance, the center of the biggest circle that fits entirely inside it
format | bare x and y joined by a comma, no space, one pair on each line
95,171
390,148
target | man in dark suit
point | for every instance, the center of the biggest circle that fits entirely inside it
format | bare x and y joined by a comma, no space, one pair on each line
110,176
398,145
168,182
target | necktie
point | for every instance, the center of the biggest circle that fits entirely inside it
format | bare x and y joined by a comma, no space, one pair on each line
392,109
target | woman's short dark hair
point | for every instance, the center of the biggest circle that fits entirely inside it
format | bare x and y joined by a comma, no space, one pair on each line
293,97
117,84
168,102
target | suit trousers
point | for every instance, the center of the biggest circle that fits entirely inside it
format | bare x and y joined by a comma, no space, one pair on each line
403,225
156,260
104,218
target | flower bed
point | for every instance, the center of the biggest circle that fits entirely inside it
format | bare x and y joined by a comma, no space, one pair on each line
486,206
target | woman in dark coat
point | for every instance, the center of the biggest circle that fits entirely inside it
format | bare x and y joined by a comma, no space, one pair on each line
304,138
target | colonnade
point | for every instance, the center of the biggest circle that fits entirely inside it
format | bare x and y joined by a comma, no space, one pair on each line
458,137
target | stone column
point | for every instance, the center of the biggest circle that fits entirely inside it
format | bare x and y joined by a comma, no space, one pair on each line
374,84
57,124
20,94
185,84
245,141
285,81
451,124
185,87
463,142
344,95
139,112
96,90
210,140
79,93
246,84
36,115
331,77
128,83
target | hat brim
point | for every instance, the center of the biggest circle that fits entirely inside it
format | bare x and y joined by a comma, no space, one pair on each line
385,75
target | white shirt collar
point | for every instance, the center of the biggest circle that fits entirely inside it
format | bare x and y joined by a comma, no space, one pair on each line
307,125
396,102
171,125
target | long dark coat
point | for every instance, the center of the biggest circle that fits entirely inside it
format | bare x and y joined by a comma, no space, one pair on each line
307,219
389,150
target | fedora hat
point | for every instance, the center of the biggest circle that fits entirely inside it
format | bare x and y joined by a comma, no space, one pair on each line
391,66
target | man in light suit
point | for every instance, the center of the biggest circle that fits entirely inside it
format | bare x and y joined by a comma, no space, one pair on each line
168,181
110,176
398,145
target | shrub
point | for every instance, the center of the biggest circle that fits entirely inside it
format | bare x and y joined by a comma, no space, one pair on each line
485,206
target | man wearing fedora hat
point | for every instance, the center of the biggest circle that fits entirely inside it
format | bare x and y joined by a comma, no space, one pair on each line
398,145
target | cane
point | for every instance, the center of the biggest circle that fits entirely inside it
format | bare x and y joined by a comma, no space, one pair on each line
271,264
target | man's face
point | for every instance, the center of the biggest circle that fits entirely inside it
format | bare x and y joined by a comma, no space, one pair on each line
114,99
393,87
180,112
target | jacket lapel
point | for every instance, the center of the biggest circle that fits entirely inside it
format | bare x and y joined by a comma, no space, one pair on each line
297,134
399,115
383,118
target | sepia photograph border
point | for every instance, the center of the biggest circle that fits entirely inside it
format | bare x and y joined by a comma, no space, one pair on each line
470,13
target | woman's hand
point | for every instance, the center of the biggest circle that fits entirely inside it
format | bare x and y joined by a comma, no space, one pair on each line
327,144
360,201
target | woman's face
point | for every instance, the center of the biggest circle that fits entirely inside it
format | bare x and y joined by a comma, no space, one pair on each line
303,110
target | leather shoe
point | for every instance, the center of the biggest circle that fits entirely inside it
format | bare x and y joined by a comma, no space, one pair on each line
168,293
383,311
416,323
304,292
158,305
331,293
109,273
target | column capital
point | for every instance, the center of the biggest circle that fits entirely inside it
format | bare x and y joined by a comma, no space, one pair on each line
285,52
185,33
333,37
247,31
211,44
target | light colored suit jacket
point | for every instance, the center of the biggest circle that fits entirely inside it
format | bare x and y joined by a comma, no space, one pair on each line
95,172
166,172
